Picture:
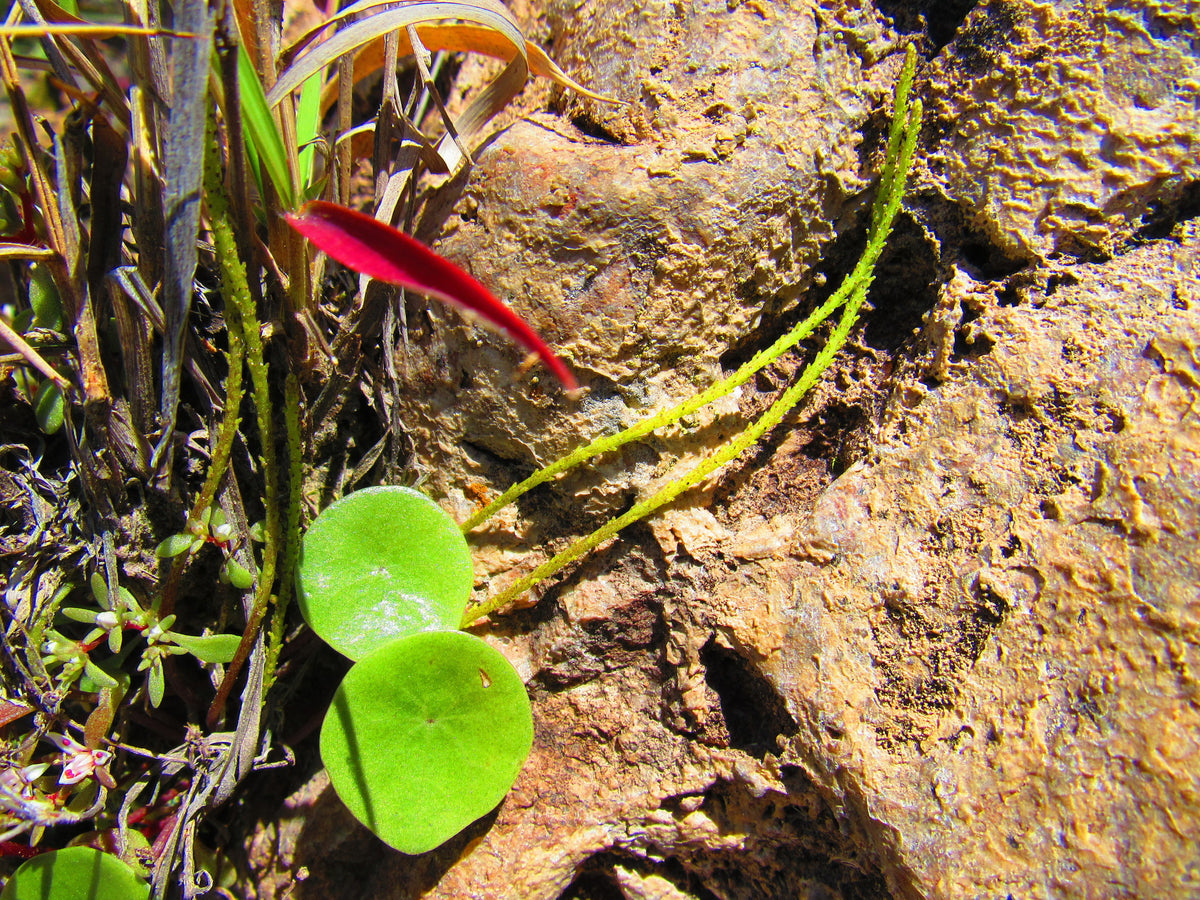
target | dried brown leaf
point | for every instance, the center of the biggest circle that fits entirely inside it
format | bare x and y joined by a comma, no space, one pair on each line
480,12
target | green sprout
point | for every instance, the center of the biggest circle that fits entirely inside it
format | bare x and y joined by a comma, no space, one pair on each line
113,617
72,660
210,527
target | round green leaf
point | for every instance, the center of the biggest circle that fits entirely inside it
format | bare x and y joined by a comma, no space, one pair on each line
426,735
44,298
379,564
72,874
174,545
237,575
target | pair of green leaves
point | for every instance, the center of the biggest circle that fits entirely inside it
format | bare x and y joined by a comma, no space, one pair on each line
430,728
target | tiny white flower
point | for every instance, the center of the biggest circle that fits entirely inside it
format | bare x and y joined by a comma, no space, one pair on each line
55,647
20,781
80,762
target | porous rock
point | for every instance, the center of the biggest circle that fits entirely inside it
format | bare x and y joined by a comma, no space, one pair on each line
993,641
966,665
1063,125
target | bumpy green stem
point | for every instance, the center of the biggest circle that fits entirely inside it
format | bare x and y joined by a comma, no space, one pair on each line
227,431
222,449
853,291
291,554
238,299
665,417
763,358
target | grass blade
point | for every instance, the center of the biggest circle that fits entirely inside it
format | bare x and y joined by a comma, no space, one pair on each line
493,8
460,37
261,130
308,127
379,24
182,169
89,29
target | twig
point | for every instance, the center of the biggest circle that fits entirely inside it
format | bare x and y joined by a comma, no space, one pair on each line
30,355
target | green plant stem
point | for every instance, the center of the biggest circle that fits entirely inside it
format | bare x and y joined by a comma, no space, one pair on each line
853,292
726,454
230,420
665,417
291,555
222,450
237,297
763,358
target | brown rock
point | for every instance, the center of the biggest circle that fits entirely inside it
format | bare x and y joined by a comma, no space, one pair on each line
996,667
642,263
964,668
1062,124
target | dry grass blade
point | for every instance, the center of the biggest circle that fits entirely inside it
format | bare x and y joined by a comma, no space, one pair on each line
490,101
76,47
364,5
30,355
541,64
43,189
458,37
80,28
362,49
63,21
379,25
183,168
23,251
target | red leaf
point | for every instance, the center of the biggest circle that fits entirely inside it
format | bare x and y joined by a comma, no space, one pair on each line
10,712
372,248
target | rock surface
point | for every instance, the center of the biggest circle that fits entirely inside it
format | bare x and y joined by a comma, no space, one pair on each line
1062,125
939,637
644,262
992,642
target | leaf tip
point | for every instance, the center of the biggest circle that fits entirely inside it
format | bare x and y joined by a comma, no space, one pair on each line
378,250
